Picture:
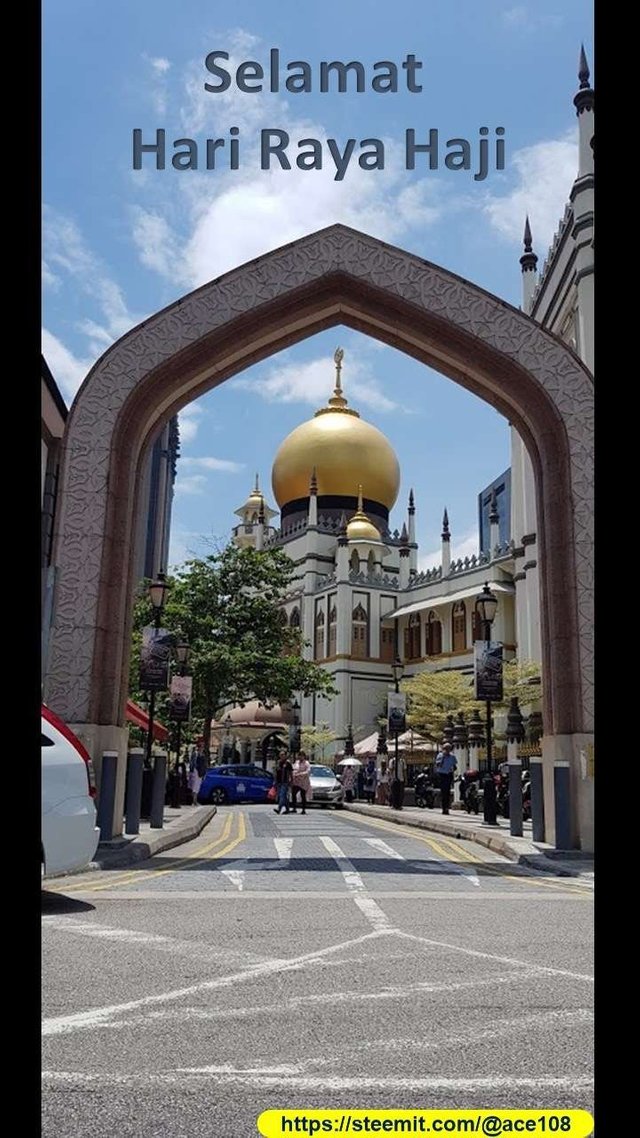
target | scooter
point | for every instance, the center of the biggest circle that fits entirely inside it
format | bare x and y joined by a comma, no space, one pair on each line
425,795
470,791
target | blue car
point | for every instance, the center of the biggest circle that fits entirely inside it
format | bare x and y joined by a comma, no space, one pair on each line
236,783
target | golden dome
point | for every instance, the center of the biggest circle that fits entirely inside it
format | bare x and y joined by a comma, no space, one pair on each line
344,449
360,527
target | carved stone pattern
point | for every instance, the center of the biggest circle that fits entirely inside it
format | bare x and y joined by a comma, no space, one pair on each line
114,377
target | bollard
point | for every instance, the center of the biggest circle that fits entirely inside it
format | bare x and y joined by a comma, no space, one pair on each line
135,764
107,796
537,798
561,799
158,790
515,792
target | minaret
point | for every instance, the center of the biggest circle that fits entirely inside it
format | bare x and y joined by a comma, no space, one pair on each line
413,555
584,104
405,565
494,524
313,500
260,526
529,263
446,544
342,554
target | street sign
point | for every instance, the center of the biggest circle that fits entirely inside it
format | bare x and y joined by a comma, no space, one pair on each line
180,702
487,666
154,658
396,712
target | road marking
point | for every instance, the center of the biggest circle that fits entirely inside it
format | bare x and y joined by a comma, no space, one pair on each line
129,877
357,887
236,877
57,1025
540,968
446,856
378,844
283,847
482,1085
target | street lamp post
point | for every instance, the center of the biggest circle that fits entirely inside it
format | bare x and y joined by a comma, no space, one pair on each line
294,730
397,786
486,605
158,590
228,722
182,655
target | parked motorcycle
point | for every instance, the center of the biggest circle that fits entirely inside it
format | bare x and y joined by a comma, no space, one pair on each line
470,791
425,790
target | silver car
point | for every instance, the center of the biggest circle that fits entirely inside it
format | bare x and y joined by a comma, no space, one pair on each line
326,789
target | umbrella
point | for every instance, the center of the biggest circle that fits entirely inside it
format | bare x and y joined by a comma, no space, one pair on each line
350,763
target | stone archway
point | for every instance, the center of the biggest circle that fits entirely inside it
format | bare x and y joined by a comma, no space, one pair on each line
335,276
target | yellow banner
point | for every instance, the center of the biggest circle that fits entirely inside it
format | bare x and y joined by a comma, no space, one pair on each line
572,1123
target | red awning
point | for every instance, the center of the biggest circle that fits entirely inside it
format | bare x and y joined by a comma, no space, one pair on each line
138,716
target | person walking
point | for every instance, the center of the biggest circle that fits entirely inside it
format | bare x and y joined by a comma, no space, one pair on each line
301,782
348,782
446,764
284,775
370,779
194,782
382,788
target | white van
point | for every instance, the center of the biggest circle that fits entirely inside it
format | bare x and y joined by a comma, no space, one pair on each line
69,832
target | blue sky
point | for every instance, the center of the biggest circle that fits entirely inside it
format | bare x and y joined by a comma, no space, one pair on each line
119,243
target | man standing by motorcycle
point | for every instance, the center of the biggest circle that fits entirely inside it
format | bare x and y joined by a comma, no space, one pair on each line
446,764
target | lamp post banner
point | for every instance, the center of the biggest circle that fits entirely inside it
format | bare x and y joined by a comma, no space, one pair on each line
396,712
487,667
180,702
154,658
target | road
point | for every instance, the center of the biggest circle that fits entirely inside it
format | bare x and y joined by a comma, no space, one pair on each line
317,961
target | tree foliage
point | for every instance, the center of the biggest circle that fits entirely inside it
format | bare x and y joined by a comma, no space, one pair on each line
522,678
317,738
432,696
227,606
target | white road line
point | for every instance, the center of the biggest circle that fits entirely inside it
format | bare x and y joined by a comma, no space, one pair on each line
356,886
378,844
539,968
57,1025
235,876
323,1083
523,1025
283,847
545,896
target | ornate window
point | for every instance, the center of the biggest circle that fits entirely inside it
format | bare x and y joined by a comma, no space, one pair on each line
412,637
387,644
318,648
434,635
371,563
294,623
333,617
355,562
459,627
359,631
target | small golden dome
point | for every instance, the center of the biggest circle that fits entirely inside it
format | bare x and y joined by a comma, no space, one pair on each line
360,527
343,448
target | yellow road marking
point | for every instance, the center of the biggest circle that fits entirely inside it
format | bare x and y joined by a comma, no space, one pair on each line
128,877
466,855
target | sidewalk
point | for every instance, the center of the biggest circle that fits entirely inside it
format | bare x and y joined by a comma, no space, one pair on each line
181,824
459,824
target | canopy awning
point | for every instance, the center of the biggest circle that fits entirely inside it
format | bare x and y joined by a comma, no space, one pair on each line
447,598
138,716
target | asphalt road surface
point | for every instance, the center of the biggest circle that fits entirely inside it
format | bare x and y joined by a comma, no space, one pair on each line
318,961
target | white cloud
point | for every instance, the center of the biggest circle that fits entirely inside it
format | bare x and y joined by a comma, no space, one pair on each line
188,422
190,484
522,18
313,382
545,172
160,65
213,464
68,370
466,547
49,278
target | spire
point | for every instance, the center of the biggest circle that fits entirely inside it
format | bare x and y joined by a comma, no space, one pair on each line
584,100
360,502
338,399
412,507
404,536
256,488
445,526
583,72
529,259
313,483
493,508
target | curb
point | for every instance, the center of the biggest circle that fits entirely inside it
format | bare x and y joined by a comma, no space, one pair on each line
530,855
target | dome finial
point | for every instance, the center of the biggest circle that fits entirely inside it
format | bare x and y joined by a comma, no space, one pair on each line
338,399
256,488
360,504
583,69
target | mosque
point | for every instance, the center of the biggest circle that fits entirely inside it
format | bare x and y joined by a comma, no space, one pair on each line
357,596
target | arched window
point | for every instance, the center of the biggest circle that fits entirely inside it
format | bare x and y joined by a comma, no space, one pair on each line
355,562
359,630
459,627
318,648
254,519
371,563
412,637
294,619
387,644
333,625
434,635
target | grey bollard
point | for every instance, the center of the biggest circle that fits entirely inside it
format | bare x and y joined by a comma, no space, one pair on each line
107,796
537,799
515,798
561,799
135,765
158,792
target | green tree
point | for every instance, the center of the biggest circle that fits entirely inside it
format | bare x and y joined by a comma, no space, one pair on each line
318,737
228,606
432,696
522,678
